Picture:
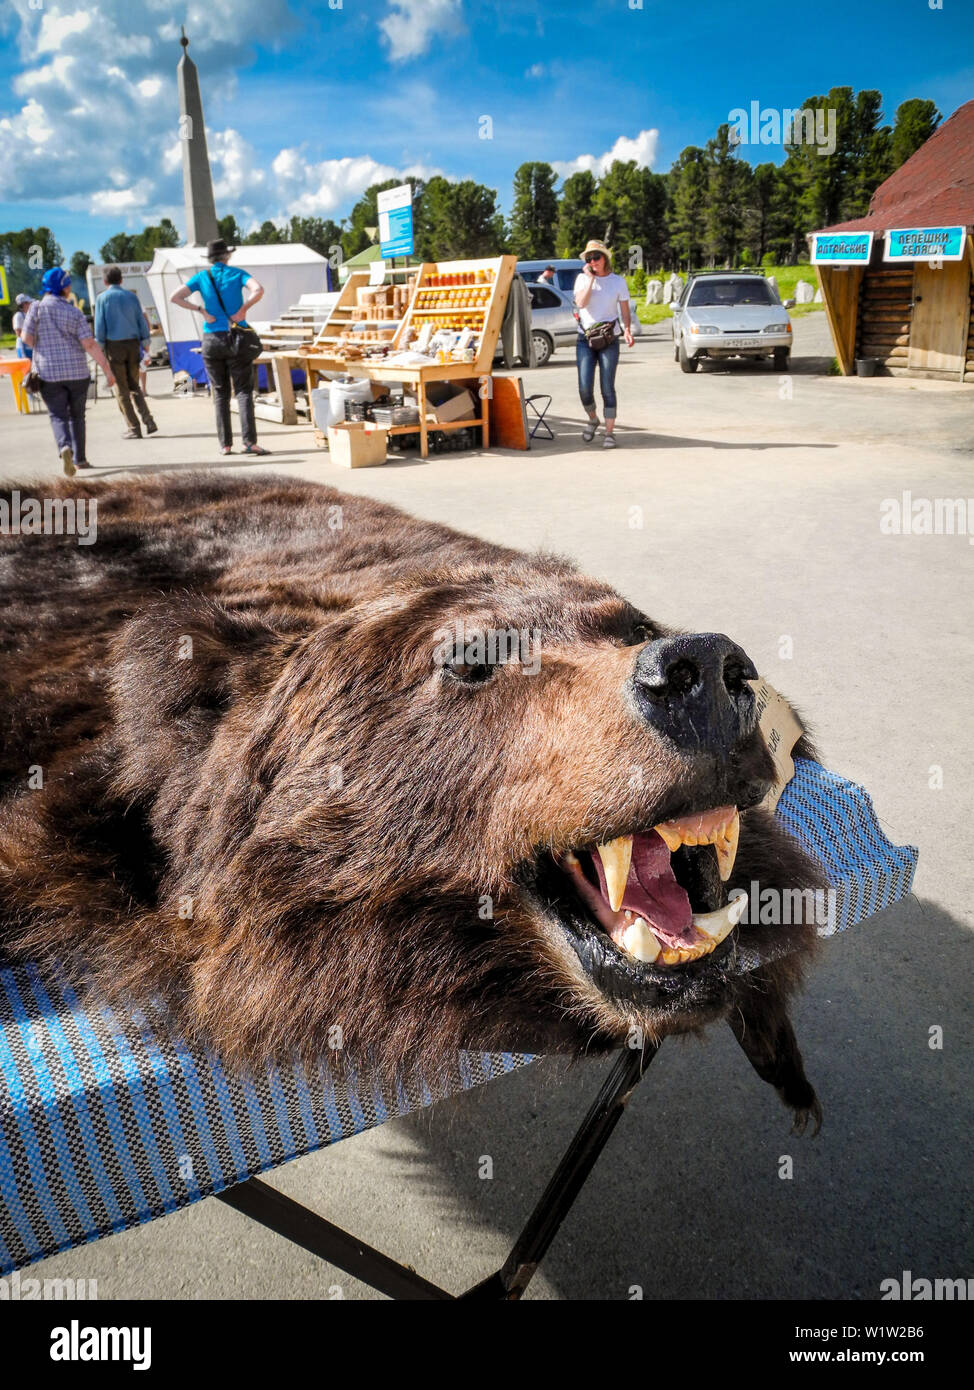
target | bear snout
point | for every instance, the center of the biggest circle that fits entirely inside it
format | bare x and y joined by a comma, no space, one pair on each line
693,689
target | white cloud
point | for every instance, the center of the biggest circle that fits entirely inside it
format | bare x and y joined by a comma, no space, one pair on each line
412,25
57,27
535,70
111,200
642,149
96,95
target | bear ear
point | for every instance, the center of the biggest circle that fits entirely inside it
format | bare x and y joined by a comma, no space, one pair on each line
174,671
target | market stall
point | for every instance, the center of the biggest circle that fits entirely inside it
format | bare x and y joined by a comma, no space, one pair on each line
898,284
435,335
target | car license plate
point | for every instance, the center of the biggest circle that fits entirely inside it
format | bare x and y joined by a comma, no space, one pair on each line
742,342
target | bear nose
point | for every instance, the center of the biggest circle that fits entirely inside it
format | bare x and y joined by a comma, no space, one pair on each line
694,690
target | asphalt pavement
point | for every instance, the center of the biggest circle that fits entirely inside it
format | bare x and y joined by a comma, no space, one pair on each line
751,503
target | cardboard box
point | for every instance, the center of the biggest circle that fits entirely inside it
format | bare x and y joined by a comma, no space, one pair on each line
459,406
355,445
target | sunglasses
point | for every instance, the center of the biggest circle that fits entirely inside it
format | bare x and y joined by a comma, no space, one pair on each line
594,256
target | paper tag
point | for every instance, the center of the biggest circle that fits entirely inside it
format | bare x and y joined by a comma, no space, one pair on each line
377,272
781,730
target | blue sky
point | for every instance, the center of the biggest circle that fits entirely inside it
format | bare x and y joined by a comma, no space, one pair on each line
308,103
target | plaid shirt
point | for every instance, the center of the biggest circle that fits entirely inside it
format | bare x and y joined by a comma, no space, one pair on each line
57,328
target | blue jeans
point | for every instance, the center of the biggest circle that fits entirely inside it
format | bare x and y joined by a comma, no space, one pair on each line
65,401
608,361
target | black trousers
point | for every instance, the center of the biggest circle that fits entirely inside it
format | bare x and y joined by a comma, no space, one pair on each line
225,373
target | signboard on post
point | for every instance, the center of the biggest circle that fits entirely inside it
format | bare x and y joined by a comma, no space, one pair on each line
841,248
925,244
4,292
396,221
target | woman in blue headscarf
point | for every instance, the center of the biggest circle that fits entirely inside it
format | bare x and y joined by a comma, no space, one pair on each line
61,336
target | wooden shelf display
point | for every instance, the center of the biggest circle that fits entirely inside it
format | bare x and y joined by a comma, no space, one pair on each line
453,295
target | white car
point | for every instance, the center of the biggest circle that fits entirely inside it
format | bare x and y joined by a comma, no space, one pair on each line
730,313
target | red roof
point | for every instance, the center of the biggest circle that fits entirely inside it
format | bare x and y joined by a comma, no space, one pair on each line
934,188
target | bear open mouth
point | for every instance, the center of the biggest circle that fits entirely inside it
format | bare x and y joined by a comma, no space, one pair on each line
660,895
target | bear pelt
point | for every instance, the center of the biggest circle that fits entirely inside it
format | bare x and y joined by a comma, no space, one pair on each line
238,774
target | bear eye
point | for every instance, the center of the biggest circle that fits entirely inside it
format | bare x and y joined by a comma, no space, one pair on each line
469,673
641,632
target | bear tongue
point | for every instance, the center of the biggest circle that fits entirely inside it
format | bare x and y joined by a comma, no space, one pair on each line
652,893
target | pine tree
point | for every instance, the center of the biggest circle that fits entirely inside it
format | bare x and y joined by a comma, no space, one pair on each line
727,199
577,221
916,121
688,206
534,215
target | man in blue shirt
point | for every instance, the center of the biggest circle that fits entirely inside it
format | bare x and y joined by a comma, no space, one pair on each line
122,331
227,292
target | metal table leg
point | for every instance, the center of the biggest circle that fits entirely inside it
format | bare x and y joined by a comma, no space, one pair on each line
296,1223
568,1179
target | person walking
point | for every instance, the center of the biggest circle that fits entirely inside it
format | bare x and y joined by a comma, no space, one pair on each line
23,302
601,298
227,292
60,336
123,334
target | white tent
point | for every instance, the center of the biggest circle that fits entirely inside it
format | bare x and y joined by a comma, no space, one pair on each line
286,271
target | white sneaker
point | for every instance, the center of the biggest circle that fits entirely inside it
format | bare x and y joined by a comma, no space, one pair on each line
588,433
609,442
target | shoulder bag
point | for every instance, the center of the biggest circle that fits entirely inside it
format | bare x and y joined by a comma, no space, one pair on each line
32,381
243,342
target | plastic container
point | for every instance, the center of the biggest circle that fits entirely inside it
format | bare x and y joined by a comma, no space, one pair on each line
866,366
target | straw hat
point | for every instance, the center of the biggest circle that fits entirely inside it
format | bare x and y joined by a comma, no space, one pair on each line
598,246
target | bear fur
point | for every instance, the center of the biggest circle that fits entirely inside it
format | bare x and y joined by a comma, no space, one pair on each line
261,800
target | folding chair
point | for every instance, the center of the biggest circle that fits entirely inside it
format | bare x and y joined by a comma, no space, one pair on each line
540,422
109,1120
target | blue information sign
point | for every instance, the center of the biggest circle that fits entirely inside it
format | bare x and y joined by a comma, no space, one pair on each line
925,244
841,248
396,221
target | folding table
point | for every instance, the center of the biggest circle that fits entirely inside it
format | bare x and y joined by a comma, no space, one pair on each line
109,1120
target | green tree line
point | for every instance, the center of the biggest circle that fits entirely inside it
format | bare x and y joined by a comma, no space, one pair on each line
711,208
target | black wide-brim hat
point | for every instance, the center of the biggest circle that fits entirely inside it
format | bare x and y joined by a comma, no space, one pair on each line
218,248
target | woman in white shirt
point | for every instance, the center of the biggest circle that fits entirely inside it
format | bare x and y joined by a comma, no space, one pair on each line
601,299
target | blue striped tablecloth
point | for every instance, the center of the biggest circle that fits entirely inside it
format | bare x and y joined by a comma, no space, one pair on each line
108,1120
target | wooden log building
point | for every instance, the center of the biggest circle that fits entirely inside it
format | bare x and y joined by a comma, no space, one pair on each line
914,316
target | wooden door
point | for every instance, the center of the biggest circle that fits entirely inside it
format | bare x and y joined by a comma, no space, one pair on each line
938,330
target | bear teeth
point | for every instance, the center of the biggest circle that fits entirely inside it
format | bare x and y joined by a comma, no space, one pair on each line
616,856
720,828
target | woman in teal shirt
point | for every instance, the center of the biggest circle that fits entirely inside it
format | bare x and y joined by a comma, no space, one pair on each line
239,291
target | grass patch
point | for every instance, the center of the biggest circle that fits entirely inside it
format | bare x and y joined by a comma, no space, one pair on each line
787,277
8,340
